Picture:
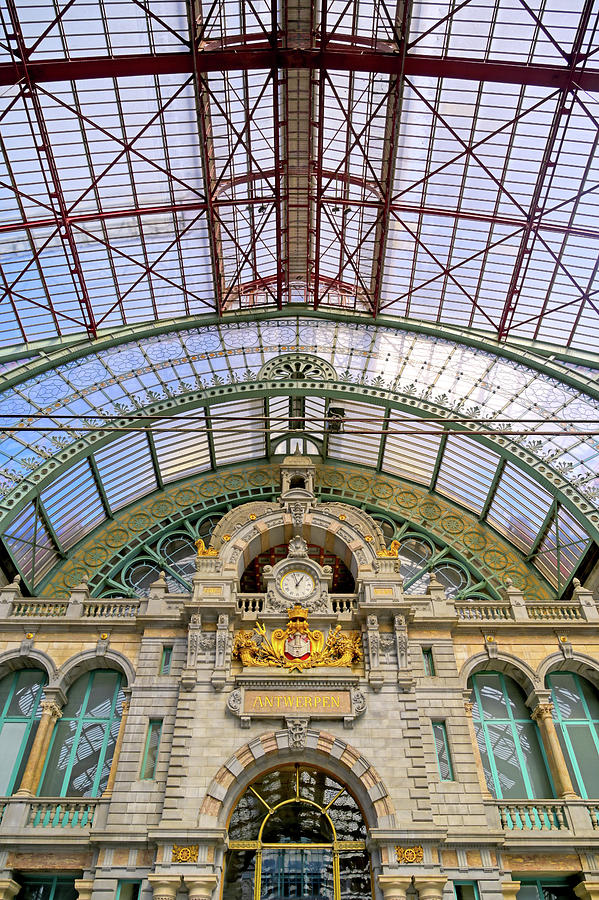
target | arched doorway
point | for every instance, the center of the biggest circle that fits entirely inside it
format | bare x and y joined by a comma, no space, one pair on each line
297,832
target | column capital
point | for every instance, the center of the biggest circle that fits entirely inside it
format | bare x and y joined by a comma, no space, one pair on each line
587,890
394,887
8,888
84,888
165,887
542,711
509,889
200,887
430,887
51,708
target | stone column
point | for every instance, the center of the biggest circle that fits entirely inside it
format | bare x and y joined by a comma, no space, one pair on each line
165,887
543,715
509,889
51,712
430,887
200,887
117,750
8,888
394,887
468,706
84,888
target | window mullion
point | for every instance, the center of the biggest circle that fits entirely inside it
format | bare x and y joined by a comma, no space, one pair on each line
490,755
77,738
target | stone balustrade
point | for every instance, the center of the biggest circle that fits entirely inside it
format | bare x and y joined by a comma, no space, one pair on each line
536,815
62,813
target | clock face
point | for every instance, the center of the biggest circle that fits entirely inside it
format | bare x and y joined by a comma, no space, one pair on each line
297,584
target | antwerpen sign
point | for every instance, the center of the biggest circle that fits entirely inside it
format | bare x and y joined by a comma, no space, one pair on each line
316,703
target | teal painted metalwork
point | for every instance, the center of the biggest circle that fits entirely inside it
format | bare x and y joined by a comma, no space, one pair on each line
21,694
576,713
511,750
80,753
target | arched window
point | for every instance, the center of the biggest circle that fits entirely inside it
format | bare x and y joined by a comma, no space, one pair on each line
21,694
82,746
511,751
297,832
576,706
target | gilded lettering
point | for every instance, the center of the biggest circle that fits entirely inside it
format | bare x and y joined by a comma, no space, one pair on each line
326,701
288,700
336,701
269,701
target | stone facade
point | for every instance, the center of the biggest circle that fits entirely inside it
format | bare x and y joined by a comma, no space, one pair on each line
170,831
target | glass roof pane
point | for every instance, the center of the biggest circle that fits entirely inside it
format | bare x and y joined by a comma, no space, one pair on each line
31,546
562,548
73,504
117,461
238,431
519,507
466,472
181,447
361,439
411,455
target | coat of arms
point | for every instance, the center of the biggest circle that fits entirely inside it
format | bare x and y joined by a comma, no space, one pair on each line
297,646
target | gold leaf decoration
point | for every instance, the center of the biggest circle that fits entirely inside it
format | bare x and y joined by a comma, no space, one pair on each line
187,854
409,855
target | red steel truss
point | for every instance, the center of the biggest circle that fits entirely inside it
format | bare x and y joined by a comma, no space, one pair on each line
330,159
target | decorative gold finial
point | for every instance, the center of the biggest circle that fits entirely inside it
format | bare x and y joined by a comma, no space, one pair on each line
203,550
297,612
391,553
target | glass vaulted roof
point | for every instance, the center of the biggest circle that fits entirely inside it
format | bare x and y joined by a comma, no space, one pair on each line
406,192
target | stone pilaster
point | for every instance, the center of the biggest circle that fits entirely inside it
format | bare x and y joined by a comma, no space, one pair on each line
51,712
543,716
394,887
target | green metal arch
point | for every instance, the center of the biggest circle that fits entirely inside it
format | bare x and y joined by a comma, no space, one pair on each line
57,465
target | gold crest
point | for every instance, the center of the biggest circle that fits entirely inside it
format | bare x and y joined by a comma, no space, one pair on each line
297,646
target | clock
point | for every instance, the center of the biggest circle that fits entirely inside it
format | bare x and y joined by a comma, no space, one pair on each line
297,584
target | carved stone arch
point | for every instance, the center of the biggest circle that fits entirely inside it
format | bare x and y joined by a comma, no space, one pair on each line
90,659
357,550
580,663
297,367
321,749
29,658
510,665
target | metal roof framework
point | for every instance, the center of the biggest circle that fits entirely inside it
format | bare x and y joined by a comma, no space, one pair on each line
430,160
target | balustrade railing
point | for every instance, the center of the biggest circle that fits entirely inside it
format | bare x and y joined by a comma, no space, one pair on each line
593,811
533,816
61,813
561,612
470,612
45,608
110,609
341,604
250,603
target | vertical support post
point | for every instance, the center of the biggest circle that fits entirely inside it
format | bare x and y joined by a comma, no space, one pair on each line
117,750
51,712
543,716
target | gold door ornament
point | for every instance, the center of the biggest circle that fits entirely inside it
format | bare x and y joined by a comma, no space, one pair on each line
297,646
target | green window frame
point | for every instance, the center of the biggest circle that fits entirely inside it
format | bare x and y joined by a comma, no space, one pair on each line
444,763
151,750
465,890
544,889
510,745
428,660
580,732
128,889
166,659
47,887
82,746
21,694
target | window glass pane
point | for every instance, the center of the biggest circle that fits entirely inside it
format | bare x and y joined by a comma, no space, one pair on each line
58,760
354,869
511,779
591,696
478,729
528,892
101,695
566,695
85,763
6,685
129,890
585,750
492,696
75,697
442,749
26,692
346,818
165,663
535,764
428,660
239,875
298,873
11,739
151,751
297,823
